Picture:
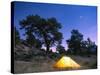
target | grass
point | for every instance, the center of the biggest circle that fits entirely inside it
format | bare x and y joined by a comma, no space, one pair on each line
45,64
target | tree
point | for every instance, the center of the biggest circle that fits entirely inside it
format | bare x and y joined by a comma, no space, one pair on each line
92,47
74,43
16,36
88,47
32,41
60,49
84,47
46,30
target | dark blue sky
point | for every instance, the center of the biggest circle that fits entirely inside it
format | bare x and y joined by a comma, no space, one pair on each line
83,18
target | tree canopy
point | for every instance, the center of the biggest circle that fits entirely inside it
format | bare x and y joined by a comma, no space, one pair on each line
45,30
74,43
77,45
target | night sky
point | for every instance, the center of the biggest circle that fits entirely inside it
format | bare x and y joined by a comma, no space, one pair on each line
82,18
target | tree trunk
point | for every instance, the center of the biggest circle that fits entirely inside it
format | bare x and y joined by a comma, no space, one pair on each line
47,49
46,43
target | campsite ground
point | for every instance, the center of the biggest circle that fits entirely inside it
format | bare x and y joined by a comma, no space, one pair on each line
41,64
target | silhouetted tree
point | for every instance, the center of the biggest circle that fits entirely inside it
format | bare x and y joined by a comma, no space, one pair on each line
32,41
46,30
60,49
88,47
92,47
16,36
74,43
84,47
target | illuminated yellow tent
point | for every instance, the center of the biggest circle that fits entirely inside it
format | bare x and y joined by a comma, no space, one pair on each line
66,63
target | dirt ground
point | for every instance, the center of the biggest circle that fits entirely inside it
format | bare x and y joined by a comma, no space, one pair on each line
46,64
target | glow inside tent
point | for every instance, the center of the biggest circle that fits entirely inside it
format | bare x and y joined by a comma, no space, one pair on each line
66,63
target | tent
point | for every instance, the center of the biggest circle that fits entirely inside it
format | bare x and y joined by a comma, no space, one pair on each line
66,63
